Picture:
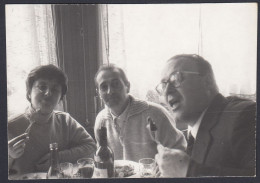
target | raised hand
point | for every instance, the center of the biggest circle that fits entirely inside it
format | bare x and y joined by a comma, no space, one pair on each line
16,145
172,162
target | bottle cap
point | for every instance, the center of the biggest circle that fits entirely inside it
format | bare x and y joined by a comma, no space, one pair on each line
54,145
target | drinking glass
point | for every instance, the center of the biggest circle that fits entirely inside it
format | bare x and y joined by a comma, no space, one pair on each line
147,167
66,169
75,171
85,167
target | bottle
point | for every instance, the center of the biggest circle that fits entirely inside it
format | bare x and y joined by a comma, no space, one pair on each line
104,157
54,171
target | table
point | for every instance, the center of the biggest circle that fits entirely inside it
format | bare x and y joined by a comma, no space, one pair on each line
117,163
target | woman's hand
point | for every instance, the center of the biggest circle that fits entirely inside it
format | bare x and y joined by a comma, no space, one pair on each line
16,146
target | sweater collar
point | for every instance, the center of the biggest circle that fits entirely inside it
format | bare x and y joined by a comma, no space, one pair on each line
136,106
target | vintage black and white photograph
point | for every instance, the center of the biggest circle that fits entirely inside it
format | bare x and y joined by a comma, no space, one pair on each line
120,91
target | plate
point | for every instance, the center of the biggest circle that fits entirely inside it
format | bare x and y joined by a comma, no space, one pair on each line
126,169
40,175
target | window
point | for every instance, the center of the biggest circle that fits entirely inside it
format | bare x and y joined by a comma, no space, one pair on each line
29,43
142,37
139,38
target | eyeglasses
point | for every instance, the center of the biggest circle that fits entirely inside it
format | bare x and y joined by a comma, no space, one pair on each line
175,80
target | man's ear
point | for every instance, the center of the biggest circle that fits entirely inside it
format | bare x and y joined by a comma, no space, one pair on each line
98,94
208,83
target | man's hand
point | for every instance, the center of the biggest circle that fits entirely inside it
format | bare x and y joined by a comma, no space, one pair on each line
172,162
44,163
16,146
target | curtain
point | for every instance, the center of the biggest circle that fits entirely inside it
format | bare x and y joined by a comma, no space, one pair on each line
30,42
79,53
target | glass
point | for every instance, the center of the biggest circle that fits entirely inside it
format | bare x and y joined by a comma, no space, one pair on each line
85,167
175,79
147,167
66,170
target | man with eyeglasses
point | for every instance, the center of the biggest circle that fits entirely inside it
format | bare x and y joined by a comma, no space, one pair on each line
125,118
221,130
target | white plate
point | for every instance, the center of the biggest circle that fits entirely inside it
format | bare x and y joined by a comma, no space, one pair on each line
135,165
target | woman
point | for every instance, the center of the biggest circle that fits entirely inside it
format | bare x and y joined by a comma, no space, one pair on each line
31,133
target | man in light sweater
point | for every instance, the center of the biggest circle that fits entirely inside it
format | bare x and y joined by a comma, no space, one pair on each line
125,118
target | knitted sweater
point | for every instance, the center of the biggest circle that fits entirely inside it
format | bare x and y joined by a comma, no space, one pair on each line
73,140
133,141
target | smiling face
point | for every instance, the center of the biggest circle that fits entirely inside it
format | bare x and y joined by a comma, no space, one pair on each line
189,99
112,89
45,95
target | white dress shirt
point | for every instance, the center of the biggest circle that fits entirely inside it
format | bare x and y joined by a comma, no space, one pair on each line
121,119
194,130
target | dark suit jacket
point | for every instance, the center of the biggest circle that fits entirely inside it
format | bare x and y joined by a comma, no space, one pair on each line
225,142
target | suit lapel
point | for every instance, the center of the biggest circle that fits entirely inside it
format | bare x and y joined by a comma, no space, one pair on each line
204,138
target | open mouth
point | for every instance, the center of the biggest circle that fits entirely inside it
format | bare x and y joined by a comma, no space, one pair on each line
173,103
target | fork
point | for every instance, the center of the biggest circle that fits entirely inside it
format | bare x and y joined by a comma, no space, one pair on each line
31,121
152,129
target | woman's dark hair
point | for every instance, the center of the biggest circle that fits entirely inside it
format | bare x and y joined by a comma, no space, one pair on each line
46,72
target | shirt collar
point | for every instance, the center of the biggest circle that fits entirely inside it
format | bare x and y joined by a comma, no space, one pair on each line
194,130
123,115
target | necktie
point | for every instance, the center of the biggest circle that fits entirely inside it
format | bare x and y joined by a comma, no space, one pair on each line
190,143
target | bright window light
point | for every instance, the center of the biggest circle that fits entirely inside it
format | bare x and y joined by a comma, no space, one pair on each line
142,37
